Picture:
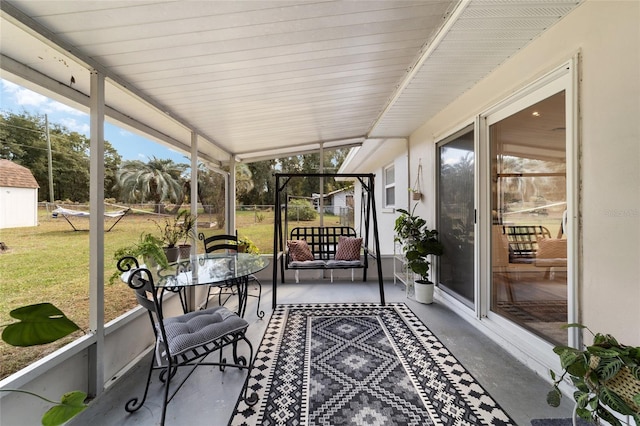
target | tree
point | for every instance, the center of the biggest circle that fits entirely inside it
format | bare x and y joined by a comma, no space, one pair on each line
24,142
158,180
263,184
244,180
211,193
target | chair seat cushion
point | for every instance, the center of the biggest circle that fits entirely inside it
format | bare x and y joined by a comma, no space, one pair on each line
311,264
197,328
344,264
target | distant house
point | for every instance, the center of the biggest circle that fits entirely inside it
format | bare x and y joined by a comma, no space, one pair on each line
18,196
336,200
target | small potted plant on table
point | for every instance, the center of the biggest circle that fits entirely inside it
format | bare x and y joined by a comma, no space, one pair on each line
171,232
418,243
148,250
186,221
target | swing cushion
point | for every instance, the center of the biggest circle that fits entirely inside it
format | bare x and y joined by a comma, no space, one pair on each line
348,248
299,251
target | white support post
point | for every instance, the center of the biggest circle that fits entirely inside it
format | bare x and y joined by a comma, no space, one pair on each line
194,187
191,292
96,234
231,197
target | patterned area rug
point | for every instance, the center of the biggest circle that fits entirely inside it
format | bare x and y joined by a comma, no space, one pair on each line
360,364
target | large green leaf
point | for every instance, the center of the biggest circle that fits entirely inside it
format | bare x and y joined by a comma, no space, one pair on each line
567,358
581,398
39,324
608,368
553,397
585,414
606,415
614,401
71,404
603,352
635,371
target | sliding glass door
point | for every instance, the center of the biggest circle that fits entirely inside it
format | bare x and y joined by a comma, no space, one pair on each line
528,198
456,215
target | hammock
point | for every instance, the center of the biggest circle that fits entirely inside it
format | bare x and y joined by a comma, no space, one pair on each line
67,213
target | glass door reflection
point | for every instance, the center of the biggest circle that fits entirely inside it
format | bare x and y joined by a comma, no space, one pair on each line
528,201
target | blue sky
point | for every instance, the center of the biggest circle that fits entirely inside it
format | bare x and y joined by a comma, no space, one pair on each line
16,99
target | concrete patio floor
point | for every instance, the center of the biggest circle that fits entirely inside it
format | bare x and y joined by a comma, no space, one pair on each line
209,396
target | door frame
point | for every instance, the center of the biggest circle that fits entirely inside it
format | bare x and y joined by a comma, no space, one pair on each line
564,77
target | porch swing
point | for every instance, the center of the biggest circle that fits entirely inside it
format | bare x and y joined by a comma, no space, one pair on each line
325,247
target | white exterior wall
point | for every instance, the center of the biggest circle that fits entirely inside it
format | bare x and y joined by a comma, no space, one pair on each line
607,35
387,216
339,200
18,207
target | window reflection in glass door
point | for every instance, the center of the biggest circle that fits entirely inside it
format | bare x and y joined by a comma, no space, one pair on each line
456,216
528,201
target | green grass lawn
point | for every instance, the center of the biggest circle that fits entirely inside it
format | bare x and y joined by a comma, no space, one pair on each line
50,263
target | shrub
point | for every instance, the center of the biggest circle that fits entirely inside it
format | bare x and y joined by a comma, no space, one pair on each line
301,210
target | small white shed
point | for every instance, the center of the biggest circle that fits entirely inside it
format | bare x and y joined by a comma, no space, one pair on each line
335,201
18,196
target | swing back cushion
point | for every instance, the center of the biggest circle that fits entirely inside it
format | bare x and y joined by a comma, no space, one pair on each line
330,247
299,251
348,248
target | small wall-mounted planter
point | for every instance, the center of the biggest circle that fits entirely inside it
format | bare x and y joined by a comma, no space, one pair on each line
416,196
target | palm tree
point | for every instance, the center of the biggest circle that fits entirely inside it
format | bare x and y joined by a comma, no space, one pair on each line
157,180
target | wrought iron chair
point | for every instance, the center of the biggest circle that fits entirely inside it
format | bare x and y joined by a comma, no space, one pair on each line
185,340
228,243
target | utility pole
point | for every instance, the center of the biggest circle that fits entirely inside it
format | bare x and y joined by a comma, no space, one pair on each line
46,125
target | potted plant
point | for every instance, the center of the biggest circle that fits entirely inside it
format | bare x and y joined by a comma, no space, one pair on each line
418,243
170,234
605,374
186,221
245,245
148,249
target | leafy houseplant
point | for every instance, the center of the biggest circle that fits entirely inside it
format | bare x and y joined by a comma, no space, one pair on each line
245,245
418,243
173,230
148,250
605,374
186,221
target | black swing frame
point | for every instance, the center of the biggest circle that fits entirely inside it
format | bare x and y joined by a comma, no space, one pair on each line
367,180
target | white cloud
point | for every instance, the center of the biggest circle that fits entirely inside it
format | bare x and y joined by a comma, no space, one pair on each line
58,107
25,97
75,126
9,87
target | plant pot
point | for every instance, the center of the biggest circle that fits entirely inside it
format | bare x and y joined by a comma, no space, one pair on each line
150,263
423,291
185,251
172,254
416,196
